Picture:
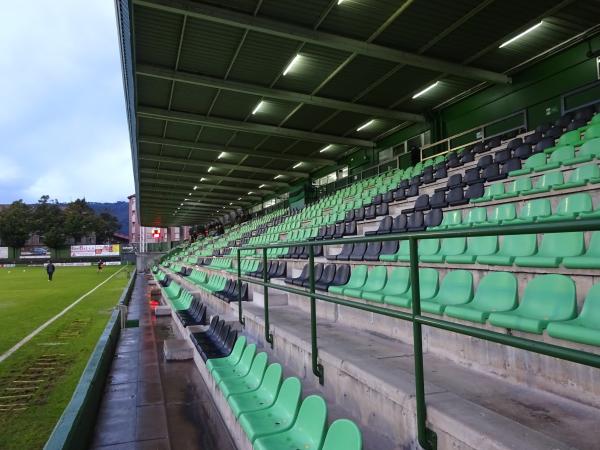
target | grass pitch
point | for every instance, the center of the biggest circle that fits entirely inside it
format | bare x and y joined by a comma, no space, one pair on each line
37,381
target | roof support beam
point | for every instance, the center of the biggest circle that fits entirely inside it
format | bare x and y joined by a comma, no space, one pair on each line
211,177
195,162
206,201
206,186
291,31
228,124
232,150
253,89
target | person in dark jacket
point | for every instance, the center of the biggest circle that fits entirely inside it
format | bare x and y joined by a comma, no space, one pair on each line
50,270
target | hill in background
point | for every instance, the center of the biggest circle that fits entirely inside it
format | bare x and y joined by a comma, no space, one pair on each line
118,209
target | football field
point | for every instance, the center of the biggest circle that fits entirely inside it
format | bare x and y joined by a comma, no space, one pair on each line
47,332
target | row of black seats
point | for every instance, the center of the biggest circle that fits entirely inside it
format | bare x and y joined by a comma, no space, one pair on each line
301,252
409,220
275,269
230,293
195,315
185,271
217,341
365,252
325,276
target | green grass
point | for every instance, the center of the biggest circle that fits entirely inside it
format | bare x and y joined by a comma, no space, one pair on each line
27,301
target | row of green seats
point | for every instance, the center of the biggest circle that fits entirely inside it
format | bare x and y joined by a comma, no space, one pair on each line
581,176
270,410
548,300
570,207
522,250
247,265
564,155
198,277
220,263
577,137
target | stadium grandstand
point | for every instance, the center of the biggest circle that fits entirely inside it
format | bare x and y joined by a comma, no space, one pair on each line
396,228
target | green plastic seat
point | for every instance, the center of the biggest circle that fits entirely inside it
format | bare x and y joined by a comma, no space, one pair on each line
530,165
343,434
397,284
238,370
547,298
595,118
515,188
426,247
585,328
546,182
358,277
588,151
496,292
589,260
570,207
307,433
592,132
557,158
261,398
582,175
376,280
403,250
512,246
456,288
449,247
501,214
532,210
554,247
475,217
572,138
450,219
489,193
250,381
428,286
276,418
476,246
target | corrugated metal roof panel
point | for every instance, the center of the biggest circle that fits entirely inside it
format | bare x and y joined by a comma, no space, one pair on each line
153,91
181,131
308,117
234,105
305,13
215,136
156,36
150,127
191,98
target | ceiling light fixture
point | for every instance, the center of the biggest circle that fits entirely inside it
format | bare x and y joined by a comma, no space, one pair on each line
240,198
189,193
203,179
276,177
427,89
250,192
292,63
340,2
262,186
258,107
295,166
222,155
365,125
211,168
520,35
324,149
195,187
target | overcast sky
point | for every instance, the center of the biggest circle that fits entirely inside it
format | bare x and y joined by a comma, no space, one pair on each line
63,126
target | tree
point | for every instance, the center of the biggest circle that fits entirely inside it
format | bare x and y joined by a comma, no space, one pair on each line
49,222
16,224
80,219
106,226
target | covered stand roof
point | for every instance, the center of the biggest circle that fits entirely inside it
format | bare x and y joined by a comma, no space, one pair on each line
230,101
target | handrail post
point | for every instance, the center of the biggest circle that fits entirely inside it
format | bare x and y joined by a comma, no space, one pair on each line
268,334
427,438
316,367
239,285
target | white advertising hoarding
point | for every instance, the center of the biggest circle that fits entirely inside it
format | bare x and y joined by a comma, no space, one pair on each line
3,252
87,251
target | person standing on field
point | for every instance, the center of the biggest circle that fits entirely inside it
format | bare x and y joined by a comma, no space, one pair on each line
100,266
50,270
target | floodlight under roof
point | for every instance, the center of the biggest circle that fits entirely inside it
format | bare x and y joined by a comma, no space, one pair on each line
365,125
292,63
520,35
427,89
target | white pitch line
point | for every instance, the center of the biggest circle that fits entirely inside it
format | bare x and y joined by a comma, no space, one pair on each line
31,335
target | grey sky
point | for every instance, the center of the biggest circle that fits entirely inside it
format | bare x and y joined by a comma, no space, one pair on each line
62,121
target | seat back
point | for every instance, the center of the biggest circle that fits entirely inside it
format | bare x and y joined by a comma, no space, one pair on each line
519,245
549,297
476,215
342,275
386,224
574,204
585,173
271,382
497,291
389,247
247,358
311,420
536,208
562,244
550,179
357,277
328,274
453,246
591,147
535,160
359,250
590,313
376,280
428,282
259,365
564,152
428,246
482,245
288,398
399,224
456,287
434,218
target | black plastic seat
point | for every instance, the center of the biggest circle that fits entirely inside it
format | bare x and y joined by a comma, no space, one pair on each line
340,230
492,173
318,274
453,161
577,123
563,120
533,138
389,247
358,252
373,251
342,275
522,151
440,173
503,155
302,276
350,229
428,177
422,203
399,194
456,197
403,184
434,218
359,214
514,143
344,255
321,233
416,180
416,221
472,175
584,114
473,191
479,148
485,161
399,224
545,143
349,217
326,277
542,128
387,197
376,200
385,226
330,232
412,191
510,165
554,132
467,157
382,210
492,143
370,212
454,181
438,200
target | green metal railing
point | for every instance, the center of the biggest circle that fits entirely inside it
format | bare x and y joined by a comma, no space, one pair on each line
426,437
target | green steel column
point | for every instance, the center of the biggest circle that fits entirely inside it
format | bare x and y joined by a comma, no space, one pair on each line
427,438
268,335
239,285
316,367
